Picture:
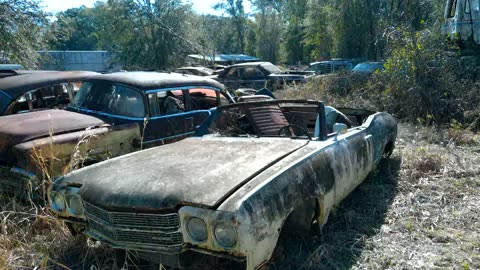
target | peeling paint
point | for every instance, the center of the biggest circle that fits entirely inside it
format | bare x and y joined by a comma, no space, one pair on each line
254,185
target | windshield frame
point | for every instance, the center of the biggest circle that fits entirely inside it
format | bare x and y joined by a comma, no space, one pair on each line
320,132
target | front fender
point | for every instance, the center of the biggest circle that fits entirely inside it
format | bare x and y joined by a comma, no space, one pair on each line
56,155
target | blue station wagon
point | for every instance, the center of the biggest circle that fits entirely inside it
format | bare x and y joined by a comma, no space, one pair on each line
167,106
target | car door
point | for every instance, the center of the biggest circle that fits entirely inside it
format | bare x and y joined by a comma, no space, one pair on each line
231,78
353,160
201,100
169,119
252,77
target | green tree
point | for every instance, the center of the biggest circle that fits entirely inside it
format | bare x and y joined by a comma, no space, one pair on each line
235,10
269,29
22,25
75,29
319,38
296,11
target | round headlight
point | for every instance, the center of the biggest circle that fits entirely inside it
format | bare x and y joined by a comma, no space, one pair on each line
197,229
75,205
226,235
58,201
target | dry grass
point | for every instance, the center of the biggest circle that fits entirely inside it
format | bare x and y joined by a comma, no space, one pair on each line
419,210
31,238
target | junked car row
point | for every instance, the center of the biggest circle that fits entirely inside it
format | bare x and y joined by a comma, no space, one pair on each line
228,179
110,115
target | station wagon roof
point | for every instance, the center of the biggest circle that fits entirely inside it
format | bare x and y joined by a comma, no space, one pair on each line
155,80
18,85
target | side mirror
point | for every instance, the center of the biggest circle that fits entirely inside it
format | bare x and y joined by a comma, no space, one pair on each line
340,128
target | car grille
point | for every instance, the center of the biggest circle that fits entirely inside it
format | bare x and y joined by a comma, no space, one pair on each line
134,220
159,230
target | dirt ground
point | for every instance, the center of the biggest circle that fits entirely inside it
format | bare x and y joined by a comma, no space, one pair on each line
420,209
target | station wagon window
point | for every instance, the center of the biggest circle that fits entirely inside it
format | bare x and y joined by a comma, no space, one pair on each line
166,102
110,98
203,99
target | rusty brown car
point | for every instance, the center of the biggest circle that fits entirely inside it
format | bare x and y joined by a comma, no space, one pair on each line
227,194
110,115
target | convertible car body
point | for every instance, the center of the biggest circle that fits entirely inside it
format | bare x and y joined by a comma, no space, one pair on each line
110,115
229,192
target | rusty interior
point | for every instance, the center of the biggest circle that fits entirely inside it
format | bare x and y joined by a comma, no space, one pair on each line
267,119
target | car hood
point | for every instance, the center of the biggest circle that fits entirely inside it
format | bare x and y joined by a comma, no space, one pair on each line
195,171
19,128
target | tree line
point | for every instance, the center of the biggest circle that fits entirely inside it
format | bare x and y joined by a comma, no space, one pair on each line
160,34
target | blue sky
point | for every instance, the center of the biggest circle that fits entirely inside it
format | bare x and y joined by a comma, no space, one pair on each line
201,6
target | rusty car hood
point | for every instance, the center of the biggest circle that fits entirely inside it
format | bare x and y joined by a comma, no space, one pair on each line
195,171
19,128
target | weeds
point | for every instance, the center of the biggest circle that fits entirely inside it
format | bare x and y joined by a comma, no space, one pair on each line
419,209
78,157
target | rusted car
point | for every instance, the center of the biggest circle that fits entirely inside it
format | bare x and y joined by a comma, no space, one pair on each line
258,166
32,90
110,115
258,75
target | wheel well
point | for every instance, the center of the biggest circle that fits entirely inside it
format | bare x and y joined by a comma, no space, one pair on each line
302,216
89,162
388,150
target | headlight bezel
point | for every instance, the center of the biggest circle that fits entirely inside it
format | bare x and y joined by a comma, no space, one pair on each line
192,235
54,196
232,230
79,200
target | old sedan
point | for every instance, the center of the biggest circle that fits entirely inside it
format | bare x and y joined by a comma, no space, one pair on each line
32,90
259,75
259,166
111,115
331,66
